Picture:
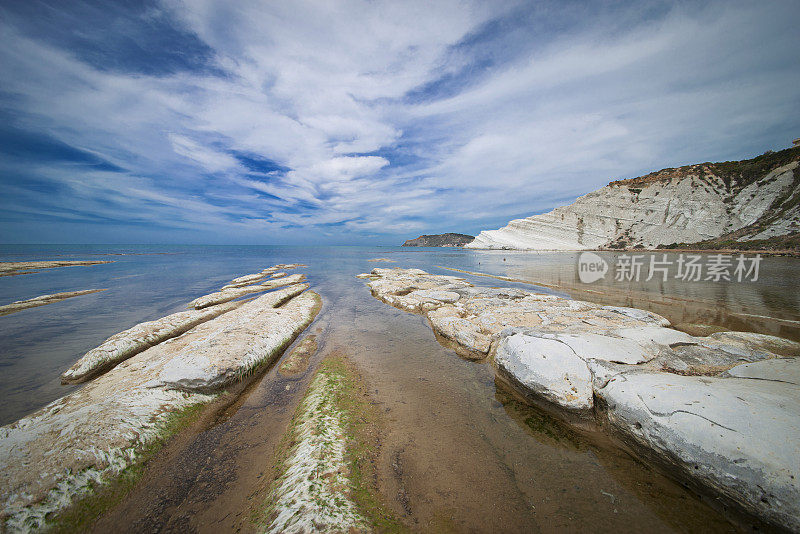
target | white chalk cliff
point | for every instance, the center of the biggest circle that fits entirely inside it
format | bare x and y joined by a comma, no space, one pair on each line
745,200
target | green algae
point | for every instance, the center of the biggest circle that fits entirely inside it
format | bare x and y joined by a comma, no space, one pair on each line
101,497
340,403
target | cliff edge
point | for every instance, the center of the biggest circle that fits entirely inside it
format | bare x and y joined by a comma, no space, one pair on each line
735,204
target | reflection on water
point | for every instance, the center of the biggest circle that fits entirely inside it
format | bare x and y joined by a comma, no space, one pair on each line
770,305
460,451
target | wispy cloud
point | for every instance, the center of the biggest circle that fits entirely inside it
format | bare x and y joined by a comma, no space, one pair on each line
347,121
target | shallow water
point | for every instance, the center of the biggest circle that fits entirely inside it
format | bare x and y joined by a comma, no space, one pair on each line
458,451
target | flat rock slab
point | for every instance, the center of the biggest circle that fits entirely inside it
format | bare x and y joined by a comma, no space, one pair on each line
721,412
284,266
11,268
127,343
224,351
58,451
233,293
736,437
43,300
249,278
233,285
546,368
62,449
778,370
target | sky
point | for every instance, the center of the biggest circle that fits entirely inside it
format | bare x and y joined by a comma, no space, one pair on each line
367,122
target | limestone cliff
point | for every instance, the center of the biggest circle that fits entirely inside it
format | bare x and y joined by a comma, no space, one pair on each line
751,200
440,240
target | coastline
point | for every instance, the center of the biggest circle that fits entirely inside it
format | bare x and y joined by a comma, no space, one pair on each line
287,381
676,250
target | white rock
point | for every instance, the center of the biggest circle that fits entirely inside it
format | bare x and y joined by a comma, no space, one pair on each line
285,266
681,208
225,350
127,343
11,268
241,284
738,438
778,369
590,346
233,293
463,332
656,335
764,342
442,296
247,279
547,368
59,451
42,300
640,315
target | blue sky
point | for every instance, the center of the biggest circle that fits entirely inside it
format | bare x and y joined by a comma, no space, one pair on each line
357,122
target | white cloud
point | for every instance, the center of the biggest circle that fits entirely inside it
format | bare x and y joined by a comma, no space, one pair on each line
211,160
320,88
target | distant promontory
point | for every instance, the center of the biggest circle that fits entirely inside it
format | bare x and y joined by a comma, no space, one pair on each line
440,240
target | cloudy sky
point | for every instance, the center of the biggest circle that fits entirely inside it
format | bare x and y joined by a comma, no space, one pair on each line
350,122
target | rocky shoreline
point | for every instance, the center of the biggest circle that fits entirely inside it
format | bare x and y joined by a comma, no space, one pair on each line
147,375
719,413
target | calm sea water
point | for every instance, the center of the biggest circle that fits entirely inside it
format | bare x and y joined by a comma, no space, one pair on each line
147,282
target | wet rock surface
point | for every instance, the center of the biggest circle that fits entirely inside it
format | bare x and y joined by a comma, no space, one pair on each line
297,362
87,437
701,406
